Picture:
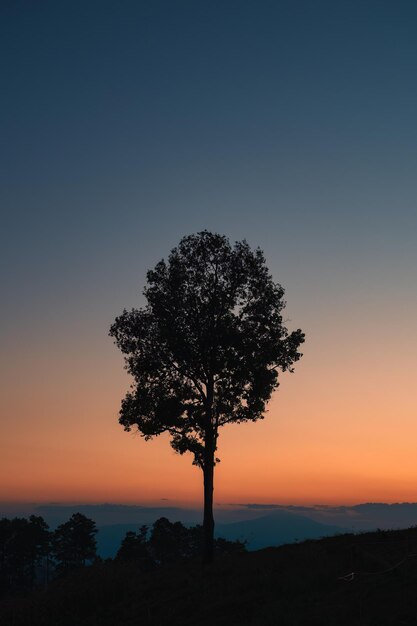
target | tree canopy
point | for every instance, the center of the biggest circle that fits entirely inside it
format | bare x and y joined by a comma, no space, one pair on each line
74,542
206,349
24,544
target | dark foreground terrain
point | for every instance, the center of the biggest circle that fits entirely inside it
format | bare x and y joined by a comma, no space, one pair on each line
304,584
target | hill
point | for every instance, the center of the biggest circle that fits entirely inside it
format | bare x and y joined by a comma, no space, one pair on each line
355,518
361,580
274,529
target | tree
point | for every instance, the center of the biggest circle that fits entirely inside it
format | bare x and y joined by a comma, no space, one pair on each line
169,542
24,548
172,541
135,548
205,350
39,540
74,542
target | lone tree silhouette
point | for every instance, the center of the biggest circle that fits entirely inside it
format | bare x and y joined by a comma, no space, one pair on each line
205,351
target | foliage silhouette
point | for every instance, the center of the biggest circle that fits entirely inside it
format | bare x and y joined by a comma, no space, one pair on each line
24,545
169,542
27,548
74,543
135,548
205,351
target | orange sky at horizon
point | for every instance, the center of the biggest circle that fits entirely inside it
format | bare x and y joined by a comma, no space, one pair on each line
340,430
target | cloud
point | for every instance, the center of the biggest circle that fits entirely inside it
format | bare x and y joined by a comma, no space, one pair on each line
261,506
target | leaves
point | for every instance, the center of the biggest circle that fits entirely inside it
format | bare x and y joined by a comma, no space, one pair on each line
206,349
74,543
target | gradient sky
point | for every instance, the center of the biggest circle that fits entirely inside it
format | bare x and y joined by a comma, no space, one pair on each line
126,125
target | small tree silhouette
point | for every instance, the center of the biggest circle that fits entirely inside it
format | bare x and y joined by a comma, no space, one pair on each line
24,546
135,548
206,349
74,542
169,542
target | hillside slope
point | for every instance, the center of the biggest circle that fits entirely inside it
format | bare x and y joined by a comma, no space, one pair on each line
303,584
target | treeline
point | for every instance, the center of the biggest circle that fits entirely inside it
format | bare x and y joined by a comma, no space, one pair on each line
32,555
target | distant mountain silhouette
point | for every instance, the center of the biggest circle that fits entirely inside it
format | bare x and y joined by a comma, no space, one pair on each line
275,529
115,514
114,520
110,537
358,517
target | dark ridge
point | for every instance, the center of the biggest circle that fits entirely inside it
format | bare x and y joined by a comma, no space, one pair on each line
367,579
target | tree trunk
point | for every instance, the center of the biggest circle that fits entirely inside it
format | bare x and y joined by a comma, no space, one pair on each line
208,470
208,521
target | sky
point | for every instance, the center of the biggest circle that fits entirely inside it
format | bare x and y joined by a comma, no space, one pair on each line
127,125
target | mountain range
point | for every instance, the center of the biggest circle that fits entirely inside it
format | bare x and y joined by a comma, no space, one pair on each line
260,525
